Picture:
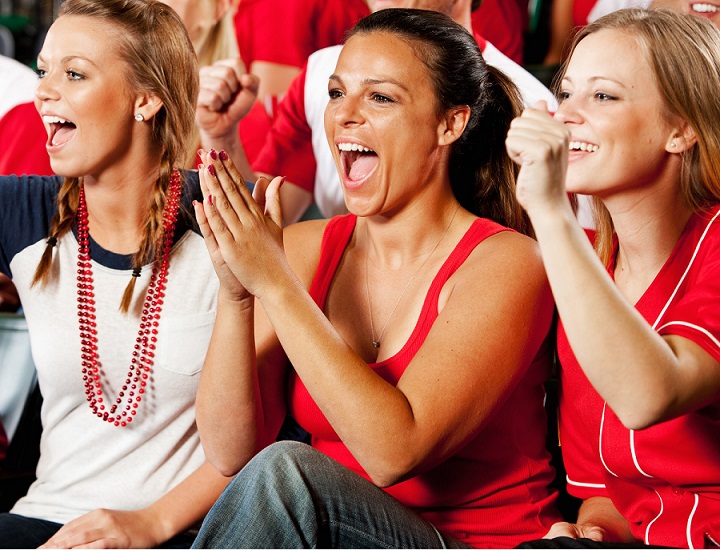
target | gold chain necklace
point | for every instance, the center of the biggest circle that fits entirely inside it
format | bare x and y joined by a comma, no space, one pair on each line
376,341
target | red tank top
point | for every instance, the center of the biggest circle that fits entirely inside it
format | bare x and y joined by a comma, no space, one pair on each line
494,491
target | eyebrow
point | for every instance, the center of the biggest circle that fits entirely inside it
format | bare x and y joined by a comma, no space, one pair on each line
373,81
596,78
69,58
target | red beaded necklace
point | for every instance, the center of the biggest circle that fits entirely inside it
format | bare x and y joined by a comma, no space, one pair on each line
143,354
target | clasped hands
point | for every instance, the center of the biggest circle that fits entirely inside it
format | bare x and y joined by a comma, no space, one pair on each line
242,230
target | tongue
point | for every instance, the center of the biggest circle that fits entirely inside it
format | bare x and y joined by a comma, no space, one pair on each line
362,166
63,134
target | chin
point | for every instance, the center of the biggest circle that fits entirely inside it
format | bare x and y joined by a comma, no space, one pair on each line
66,169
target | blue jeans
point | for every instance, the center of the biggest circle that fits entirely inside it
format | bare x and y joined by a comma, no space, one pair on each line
293,496
22,532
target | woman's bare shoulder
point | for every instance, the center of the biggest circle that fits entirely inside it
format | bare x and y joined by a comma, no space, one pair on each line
302,246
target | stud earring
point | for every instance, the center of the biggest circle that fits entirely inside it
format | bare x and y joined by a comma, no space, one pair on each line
672,144
139,117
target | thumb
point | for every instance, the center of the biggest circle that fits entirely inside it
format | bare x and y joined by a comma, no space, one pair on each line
594,533
260,191
273,207
541,105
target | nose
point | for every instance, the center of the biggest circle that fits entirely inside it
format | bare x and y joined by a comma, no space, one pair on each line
47,88
348,111
569,110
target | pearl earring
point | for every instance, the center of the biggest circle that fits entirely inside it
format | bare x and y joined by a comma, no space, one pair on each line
139,117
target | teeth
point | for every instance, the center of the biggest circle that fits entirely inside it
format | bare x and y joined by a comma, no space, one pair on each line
583,146
705,8
54,119
353,147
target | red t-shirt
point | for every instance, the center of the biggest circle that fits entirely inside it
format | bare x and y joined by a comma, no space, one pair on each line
287,147
581,10
22,142
503,23
665,480
288,31
494,491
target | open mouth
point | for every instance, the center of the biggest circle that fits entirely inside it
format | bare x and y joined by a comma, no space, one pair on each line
583,146
704,8
358,161
60,131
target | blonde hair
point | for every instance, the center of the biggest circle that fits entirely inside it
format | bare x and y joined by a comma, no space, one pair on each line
684,54
154,43
218,40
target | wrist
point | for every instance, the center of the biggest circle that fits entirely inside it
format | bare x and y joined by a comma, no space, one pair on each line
552,216
159,527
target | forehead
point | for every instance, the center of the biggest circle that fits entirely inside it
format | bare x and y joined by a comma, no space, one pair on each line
82,36
381,53
610,53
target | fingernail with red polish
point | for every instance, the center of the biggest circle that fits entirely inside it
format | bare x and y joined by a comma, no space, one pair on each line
210,199
213,154
223,155
211,169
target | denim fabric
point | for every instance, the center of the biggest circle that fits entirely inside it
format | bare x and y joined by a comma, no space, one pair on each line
23,532
292,496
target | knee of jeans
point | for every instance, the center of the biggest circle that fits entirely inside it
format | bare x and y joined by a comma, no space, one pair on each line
287,455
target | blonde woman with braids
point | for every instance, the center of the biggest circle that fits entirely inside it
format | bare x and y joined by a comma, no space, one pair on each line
118,362
639,341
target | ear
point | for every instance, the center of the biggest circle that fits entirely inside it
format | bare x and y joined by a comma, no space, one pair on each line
147,106
453,124
681,139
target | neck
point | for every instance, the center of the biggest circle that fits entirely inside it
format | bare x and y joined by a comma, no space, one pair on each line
647,228
118,203
462,14
406,238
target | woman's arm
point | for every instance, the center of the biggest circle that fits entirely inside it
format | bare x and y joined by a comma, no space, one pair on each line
173,514
599,520
480,345
644,377
240,401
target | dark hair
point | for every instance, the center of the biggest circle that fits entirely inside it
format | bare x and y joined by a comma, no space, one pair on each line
475,5
481,172
159,58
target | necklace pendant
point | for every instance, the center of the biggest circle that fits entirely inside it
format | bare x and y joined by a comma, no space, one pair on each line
376,344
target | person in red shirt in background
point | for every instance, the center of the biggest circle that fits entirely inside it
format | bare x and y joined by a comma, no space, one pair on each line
502,23
277,36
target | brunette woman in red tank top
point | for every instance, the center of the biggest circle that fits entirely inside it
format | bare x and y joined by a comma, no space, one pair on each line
408,337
